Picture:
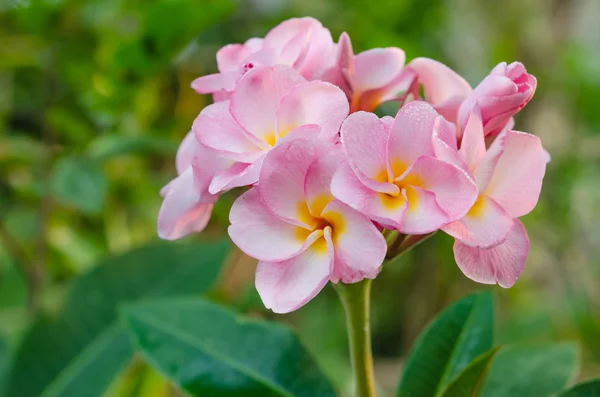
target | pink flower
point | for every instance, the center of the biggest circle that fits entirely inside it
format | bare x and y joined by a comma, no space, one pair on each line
391,175
302,236
491,244
302,43
502,94
369,78
269,105
187,204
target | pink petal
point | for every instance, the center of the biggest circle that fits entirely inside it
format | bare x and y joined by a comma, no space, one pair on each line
376,67
317,184
255,101
443,87
359,247
315,102
188,149
472,148
261,234
517,179
412,135
502,264
485,225
380,207
236,175
424,214
364,138
186,207
208,84
454,190
288,285
282,179
217,129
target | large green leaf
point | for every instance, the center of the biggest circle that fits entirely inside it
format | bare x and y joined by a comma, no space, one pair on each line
469,382
585,389
538,371
78,352
209,351
459,334
78,182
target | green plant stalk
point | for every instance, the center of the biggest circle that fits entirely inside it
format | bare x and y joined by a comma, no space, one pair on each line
355,299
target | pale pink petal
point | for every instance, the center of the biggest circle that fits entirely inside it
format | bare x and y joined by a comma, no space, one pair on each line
412,135
208,84
236,175
485,225
231,56
217,129
423,215
443,87
517,179
364,138
188,149
315,102
454,190
282,179
255,101
472,148
319,55
186,207
317,184
502,264
261,234
288,285
376,68
380,207
359,247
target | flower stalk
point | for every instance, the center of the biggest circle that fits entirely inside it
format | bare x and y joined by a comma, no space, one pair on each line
355,299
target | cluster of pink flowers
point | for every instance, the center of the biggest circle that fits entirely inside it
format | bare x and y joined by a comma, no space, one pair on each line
292,121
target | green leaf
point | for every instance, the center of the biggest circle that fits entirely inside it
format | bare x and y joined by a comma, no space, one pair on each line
79,183
469,382
585,389
209,351
538,371
455,337
4,361
79,352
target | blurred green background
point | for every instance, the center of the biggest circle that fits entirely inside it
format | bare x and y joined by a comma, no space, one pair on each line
95,98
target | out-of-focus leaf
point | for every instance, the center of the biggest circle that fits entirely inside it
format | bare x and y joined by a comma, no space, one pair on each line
4,361
17,148
585,389
109,146
469,382
78,352
538,371
209,351
79,183
459,334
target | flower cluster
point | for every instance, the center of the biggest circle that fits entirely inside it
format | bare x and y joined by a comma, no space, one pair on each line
327,179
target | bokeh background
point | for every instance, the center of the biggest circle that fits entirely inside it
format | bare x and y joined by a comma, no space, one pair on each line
95,98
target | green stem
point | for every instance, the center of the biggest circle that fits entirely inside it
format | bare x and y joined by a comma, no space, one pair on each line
356,299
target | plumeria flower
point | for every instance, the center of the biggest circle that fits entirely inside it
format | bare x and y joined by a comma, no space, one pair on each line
302,43
491,244
270,104
302,236
391,174
187,204
371,77
499,96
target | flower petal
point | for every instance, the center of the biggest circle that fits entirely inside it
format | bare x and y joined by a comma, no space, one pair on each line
454,190
315,102
217,129
261,234
317,184
502,264
255,101
186,207
424,215
237,175
359,247
208,84
364,138
376,68
485,225
411,135
288,285
517,179
472,148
